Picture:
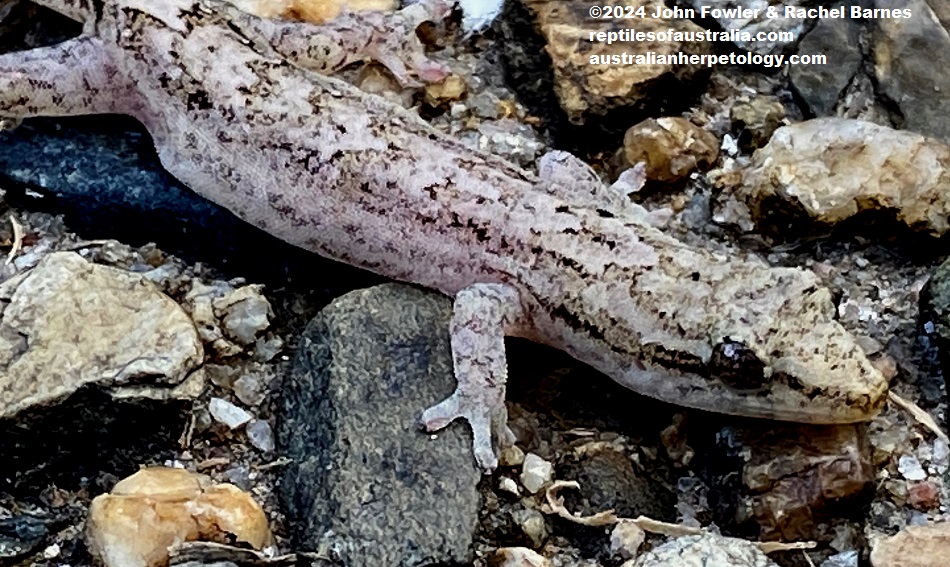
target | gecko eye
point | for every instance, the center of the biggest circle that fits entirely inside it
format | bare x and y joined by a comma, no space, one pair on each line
736,365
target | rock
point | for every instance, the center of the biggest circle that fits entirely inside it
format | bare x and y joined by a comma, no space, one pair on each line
67,323
156,508
449,89
794,476
909,467
923,495
914,546
821,86
904,51
626,539
829,169
21,535
608,480
516,557
756,120
365,483
935,312
535,473
532,525
260,434
707,550
752,26
671,147
843,559
250,387
508,485
227,413
584,87
511,457
244,313
313,11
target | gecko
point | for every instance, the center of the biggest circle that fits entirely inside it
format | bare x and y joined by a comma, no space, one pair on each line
241,111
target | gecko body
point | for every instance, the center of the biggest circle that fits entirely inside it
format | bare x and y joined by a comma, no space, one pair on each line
237,114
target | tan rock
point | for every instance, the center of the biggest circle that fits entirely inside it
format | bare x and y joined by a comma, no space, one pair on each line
448,90
517,557
830,169
157,508
672,148
795,473
914,546
314,11
68,322
583,87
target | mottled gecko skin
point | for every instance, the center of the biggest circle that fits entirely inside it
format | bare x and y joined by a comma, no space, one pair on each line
558,258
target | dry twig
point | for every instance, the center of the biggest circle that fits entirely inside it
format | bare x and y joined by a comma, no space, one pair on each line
555,505
920,415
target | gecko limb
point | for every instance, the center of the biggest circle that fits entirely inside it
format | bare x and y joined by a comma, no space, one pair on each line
564,175
388,38
483,314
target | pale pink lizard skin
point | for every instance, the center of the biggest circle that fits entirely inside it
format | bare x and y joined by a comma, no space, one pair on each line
558,258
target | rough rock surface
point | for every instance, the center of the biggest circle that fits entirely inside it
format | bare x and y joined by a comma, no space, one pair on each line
914,546
830,169
583,88
708,550
156,508
671,147
67,323
794,475
365,483
904,63
820,86
760,24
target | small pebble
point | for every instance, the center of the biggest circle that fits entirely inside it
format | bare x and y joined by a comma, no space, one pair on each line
626,539
227,413
509,486
517,557
843,559
260,434
535,473
910,468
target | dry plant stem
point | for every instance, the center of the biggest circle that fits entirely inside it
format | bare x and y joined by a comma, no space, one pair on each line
555,504
17,239
919,414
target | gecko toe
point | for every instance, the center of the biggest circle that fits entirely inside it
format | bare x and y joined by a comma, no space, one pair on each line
442,414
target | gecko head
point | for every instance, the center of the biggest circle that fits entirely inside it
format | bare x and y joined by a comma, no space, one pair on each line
776,352
798,363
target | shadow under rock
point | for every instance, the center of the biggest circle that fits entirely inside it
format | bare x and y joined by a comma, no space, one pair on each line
86,442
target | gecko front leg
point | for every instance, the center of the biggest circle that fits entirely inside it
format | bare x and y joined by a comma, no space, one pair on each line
71,78
482,315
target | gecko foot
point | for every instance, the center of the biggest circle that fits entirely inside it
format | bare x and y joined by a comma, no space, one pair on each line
486,424
482,315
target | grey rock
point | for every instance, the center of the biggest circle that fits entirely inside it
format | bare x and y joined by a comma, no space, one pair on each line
820,86
227,413
907,56
260,434
707,550
608,480
366,485
21,535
